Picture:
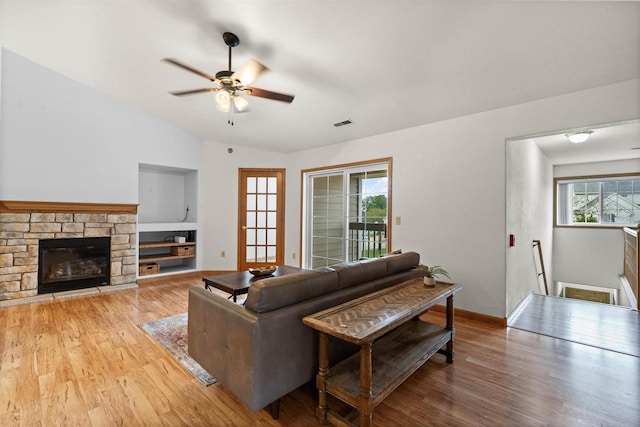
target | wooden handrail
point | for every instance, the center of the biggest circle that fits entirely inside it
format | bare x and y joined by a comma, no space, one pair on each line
543,274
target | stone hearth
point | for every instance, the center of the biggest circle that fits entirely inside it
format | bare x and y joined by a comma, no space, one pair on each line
20,233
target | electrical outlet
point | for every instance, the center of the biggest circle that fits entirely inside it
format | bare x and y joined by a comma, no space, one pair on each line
293,255
223,254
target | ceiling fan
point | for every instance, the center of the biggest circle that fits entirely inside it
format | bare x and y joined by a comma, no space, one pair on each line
231,84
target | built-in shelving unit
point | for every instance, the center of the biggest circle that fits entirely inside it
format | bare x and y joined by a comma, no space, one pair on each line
160,248
168,209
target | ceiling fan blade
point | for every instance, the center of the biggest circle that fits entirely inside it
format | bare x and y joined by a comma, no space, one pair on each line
262,93
189,68
249,71
193,91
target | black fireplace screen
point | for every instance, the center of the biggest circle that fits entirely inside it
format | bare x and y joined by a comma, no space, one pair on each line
66,264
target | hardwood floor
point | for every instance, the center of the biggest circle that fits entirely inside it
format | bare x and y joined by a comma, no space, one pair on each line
611,327
86,362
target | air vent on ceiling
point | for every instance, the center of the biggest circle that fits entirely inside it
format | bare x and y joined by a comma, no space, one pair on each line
343,123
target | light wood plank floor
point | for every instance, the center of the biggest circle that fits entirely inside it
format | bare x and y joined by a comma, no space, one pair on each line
86,362
605,326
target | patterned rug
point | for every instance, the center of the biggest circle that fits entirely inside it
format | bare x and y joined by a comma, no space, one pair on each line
171,334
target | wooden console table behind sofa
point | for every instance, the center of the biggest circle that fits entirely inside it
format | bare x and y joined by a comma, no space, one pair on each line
405,344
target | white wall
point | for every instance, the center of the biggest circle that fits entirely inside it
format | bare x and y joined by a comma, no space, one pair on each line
590,256
449,182
63,141
529,217
220,199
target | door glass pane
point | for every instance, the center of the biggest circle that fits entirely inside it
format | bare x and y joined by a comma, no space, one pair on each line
251,219
262,184
261,254
251,254
251,185
262,202
272,186
251,202
262,219
271,237
271,219
271,254
251,236
261,234
271,202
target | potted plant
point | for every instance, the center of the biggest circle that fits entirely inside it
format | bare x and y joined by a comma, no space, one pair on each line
430,273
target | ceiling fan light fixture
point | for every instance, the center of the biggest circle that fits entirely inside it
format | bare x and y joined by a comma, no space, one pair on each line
240,103
579,136
222,98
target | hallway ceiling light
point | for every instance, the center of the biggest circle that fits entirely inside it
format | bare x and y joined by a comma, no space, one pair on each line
579,136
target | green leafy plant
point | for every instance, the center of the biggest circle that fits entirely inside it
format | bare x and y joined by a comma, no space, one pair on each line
433,271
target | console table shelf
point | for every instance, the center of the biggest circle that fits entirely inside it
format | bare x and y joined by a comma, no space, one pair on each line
402,344
395,357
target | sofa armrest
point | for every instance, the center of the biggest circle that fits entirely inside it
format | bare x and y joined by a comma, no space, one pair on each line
256,357
219,334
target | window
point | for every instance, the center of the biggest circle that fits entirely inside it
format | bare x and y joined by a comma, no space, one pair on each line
345,213
612,200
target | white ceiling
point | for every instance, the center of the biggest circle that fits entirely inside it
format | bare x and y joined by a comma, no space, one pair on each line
614,141
386,65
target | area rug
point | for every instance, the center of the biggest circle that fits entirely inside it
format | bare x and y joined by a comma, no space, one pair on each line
171,334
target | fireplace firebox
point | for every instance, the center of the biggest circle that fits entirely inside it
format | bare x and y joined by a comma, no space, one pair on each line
68,264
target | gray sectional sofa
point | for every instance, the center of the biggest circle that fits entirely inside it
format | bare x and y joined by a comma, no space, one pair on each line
261,351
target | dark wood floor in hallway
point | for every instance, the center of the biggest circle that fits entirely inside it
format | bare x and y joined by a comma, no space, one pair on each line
86,362
599,325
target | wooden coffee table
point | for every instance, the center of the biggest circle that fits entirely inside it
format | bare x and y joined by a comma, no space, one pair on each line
240,282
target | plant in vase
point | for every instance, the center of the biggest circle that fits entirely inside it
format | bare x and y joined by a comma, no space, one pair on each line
430,273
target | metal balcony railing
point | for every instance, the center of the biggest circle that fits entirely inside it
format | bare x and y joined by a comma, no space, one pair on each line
367,240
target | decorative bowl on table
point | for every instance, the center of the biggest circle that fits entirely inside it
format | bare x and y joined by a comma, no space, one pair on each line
267,270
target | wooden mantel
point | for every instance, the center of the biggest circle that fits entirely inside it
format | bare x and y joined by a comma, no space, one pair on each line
18,206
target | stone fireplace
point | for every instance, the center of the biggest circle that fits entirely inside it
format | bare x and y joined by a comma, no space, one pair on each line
68,264
25,226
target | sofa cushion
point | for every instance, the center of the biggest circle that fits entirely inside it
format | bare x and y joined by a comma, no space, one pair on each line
277,292
402,262
356,272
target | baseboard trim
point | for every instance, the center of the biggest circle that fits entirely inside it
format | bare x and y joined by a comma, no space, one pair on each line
472,315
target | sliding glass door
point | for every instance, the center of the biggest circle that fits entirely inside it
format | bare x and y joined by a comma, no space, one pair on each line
346,213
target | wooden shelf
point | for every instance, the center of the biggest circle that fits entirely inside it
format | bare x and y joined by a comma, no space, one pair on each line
168,244
394,358
162,257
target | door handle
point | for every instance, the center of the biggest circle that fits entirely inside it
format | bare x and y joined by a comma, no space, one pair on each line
244,227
